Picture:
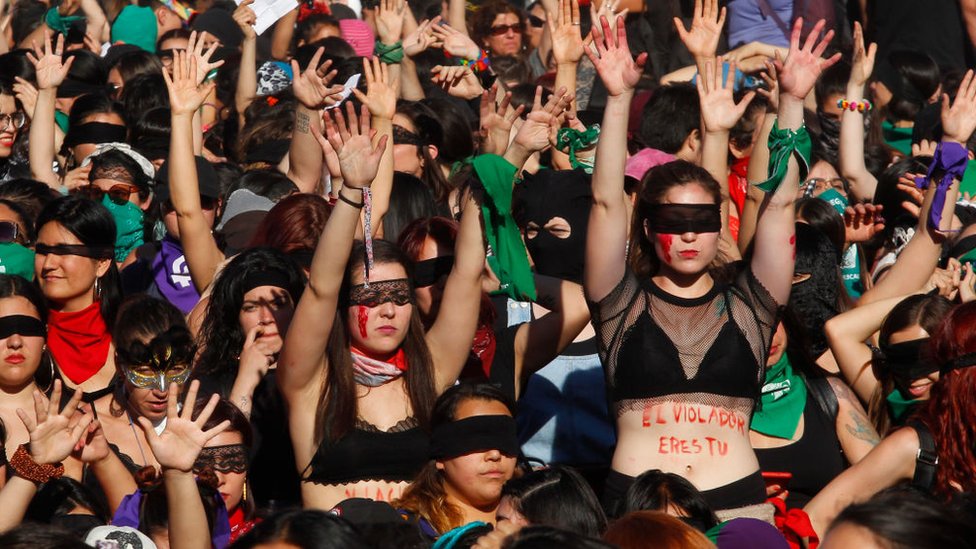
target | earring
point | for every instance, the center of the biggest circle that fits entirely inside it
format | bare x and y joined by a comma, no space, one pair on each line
98,288
244,491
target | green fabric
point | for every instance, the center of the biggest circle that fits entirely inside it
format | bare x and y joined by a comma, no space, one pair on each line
457,166
850,270
506,252
784,395
835,199
899,139
16,260
391,55
968,257
782,145
571,141
60,23
61,119
136,25
128,227
900,407
968,183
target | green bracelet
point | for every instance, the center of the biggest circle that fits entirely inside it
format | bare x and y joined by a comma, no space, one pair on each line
782,145
389,54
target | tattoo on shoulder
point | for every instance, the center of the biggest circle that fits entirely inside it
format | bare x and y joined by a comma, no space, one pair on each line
862,429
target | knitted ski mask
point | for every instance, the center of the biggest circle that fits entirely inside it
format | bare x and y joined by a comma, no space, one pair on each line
544,196
816,284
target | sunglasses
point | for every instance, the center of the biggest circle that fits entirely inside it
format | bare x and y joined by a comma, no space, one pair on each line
10,232
503,29
118,193
536,22
14,119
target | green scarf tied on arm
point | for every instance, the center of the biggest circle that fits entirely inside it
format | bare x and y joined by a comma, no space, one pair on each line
506,252
571,141
782,145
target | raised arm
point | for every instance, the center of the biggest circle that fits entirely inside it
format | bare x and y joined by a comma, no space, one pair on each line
852,166
115,480
706,29
567,47
606,240
772,260
449,338
247,76
177,449
380,99
186,94
313,92
50,72
759,161
534,134
284,32
300,366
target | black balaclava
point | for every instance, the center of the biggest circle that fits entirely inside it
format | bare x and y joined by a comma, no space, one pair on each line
548,194
815,299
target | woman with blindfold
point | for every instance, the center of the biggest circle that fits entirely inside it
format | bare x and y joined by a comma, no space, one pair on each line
684,351
934,451
356,345
473,451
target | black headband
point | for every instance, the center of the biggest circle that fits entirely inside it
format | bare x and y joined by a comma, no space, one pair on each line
23,325
474,434
256,279
429,271
73,88
96,133
92,252
685,218
965,361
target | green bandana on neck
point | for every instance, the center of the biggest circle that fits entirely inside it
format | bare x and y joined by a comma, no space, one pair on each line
784,395
897,138
900,407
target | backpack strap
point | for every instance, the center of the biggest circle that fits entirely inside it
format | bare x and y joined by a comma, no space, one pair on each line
927,458
823,393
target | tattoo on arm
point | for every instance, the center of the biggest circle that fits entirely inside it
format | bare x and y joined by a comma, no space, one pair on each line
862,429
302,121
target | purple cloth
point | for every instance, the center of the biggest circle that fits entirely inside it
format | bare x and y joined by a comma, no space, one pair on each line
749,533
172,276
128,515
952,158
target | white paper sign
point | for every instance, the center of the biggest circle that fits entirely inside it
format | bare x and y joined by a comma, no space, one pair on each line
269,11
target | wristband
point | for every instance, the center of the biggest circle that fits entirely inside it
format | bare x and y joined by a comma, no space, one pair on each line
25,467
480,64
855,106
354,204
389,54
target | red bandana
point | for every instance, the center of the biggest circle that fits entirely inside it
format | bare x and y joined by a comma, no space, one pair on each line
79,342
238,525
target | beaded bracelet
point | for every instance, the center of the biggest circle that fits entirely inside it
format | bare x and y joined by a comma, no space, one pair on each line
25,467
854,106
480,64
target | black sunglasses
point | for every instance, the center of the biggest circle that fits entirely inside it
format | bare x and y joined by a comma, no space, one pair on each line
10,232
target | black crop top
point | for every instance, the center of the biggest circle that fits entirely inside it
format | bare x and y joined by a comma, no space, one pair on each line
367,453
655,345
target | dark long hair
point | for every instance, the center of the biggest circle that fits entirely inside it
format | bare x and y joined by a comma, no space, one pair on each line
306,529
337,401
93,225
557,496
220,334
656,490
431,132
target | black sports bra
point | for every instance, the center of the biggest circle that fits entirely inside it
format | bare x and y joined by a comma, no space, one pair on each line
366,453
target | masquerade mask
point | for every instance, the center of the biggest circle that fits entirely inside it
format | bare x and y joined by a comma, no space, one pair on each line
428,272
685,218
403,136
92,252
397,291
23,325
474,434
229,458
168,355
906,361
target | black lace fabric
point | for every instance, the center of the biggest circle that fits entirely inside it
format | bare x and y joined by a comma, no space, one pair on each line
403,425
397,291
229,458
692,327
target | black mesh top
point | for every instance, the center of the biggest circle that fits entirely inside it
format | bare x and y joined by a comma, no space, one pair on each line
712,349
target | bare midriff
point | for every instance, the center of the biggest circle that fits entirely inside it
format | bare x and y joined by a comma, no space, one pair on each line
327,496
708,445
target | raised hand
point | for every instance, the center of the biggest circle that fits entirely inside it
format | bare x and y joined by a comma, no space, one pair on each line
771,92
564,31
93,446
959,119
49,66
54,435
194,47
862,222
457,80
455,43
719,111
331,158
311,87
906,183
26,93
535,131
180,443
421,38
256,356
706,28
803,66
389,20
618,70
496,121
358,159
608,9
863,63
245,18
924,148
380,96
186,94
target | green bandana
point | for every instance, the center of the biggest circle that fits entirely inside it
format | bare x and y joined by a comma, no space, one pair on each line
390,55
61,120
128,227
899,139
900,407
506,252
782,145
571,141
136,25
60,23
784,395
16,260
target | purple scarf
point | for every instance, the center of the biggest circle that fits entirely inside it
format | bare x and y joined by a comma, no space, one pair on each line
172,276
951,158
128,515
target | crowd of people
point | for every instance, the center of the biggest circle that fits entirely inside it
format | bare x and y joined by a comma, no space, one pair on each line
478,274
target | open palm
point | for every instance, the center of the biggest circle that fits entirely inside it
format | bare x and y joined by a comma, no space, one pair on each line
567,43
618,70
54,434
803,66
706,28
181,441
49,67
380,96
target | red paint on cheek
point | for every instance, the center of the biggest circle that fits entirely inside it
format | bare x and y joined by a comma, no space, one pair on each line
363,314
665,241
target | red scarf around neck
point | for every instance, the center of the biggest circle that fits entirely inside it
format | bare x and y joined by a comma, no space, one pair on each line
79,342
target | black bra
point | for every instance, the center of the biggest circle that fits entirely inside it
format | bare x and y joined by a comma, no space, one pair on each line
366,453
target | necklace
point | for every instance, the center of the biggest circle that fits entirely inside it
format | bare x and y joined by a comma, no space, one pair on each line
136,436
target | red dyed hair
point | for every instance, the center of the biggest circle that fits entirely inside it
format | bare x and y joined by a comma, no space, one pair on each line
442,230
950,410
293,224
